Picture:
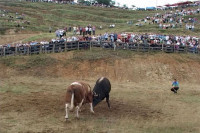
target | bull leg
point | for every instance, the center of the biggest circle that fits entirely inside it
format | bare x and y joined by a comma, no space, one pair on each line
91,108
66,109
81,103
108,102
78,108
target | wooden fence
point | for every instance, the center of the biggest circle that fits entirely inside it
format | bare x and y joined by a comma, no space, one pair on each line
78,45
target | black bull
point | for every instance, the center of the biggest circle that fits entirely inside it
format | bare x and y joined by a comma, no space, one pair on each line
101,90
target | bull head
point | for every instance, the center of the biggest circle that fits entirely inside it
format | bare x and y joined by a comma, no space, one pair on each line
96,98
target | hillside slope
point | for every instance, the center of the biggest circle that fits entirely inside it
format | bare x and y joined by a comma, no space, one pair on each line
32,92
119,66
30,21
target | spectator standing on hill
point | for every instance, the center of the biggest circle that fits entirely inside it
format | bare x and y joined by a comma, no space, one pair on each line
81,30
70,29
175,85
90,31
50,29
115,37
93,30
84,31
106,36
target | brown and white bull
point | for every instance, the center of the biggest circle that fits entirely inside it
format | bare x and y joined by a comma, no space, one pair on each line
78,93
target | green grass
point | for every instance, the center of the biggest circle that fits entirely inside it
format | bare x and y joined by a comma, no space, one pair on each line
15,88
26,62
172,129
97,53
43,15
46,36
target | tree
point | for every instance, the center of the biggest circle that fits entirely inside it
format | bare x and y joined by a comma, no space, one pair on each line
133,6
81,1
125,6
105,2
112,3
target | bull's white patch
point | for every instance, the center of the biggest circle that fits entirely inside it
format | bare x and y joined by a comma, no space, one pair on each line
89,89
66,109
91,108
77,110
76,83
101,79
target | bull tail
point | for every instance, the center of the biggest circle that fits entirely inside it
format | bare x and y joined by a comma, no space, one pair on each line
72,101
89,87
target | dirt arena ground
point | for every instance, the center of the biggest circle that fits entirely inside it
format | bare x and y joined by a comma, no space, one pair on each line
135,108
34,103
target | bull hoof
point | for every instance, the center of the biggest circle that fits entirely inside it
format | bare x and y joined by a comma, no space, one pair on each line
92,112
71,110
77,118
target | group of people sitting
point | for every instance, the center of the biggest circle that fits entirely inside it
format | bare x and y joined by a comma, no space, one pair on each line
17,19
174,19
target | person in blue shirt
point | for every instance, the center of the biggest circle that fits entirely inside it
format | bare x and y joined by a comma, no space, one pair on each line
175,85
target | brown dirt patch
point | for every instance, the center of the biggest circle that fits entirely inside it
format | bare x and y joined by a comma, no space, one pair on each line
53,104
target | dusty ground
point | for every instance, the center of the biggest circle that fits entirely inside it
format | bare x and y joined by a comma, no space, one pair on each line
33,101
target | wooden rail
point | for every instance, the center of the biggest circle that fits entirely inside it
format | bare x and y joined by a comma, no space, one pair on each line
78,45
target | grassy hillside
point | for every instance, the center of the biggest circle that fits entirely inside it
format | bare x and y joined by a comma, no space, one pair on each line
119,65
45,15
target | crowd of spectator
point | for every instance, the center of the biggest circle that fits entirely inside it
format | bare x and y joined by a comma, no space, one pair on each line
174,19
19,20
150,39
146,39
77,30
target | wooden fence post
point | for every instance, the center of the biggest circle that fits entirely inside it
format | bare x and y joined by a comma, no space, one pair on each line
53,47
138,47
4,51
90,46
174,48
162,47
28,50
16,50
59,49
148,48
114,46
1,51
78,45
185,48
65,46
40,49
